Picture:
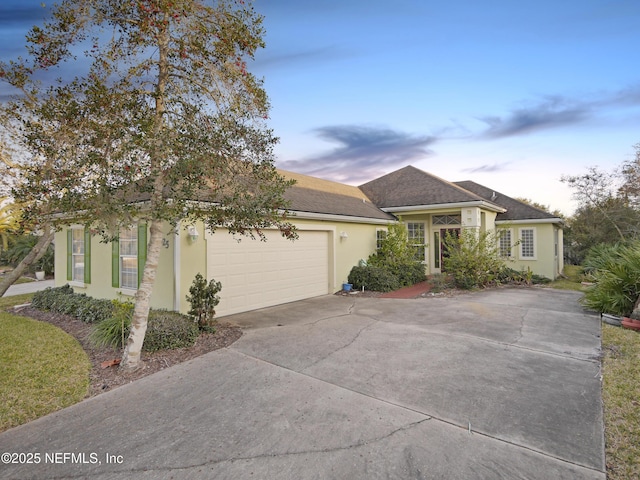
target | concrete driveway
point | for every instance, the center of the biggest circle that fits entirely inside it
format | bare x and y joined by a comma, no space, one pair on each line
496,384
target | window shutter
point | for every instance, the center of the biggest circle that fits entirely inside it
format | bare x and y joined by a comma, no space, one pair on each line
142,249
115,263
87,256
69,254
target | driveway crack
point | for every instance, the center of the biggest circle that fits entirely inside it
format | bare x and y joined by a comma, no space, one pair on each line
347,345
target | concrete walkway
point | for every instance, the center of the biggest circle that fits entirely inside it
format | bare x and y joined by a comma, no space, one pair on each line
30,287
497,384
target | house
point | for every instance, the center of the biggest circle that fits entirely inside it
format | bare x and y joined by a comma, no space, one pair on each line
338,225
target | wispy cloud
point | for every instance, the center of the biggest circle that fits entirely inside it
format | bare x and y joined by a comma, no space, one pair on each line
363,153
550,113
554,111
486,168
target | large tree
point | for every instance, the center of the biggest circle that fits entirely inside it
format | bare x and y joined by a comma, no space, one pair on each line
168,124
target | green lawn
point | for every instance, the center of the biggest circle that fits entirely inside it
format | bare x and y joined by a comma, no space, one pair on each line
621,398
43,369
574,277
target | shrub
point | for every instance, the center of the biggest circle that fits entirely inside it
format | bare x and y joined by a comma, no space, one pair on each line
113,331
473,259
373,278
169,330
616,273
46,299
20,248
203,300
393,266
64,300
165,329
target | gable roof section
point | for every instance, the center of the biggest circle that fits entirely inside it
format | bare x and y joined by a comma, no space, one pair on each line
516,210
412,187
317,196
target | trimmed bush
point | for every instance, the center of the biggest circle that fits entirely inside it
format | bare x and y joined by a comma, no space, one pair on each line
64,300
373,278
169,330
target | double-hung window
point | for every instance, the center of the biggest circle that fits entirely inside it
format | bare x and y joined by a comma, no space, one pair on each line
128,257
416,236
78,255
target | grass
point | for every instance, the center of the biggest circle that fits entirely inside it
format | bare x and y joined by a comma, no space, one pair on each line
43,369
573,280
621,398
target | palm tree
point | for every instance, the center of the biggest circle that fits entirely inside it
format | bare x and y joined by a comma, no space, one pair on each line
9,220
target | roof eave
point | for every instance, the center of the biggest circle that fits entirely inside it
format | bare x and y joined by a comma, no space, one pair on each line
554,220
338,218
439,206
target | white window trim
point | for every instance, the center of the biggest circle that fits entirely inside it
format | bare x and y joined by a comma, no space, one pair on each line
535,244
511,255
386,231
73,282
424,236
121,257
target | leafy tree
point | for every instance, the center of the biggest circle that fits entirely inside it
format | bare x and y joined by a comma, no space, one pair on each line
609,208
167,125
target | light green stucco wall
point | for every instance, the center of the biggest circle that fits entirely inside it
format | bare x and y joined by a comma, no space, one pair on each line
100,285
547,263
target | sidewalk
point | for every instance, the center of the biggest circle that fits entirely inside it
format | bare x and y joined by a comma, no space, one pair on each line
28,287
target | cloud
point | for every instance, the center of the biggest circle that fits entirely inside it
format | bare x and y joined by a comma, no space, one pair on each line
558,111
296,57
552,112
496,167
363,153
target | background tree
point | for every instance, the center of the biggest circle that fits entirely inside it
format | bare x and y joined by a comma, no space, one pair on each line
606,211
168,124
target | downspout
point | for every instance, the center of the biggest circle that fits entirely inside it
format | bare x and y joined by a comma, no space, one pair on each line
176,268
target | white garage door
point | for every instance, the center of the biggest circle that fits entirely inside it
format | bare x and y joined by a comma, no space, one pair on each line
257,274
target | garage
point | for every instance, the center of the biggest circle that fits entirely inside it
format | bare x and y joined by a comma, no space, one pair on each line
256,274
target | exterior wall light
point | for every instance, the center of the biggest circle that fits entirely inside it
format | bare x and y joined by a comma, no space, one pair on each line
193,233
343,235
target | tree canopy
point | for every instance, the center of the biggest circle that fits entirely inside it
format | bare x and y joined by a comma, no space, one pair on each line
165,124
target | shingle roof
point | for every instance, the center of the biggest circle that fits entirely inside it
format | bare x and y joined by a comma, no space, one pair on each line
315,195
516,210
411,186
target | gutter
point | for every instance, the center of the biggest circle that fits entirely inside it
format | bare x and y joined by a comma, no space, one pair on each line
413,208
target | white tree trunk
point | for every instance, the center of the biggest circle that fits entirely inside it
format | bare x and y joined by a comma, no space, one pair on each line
36,253
131,356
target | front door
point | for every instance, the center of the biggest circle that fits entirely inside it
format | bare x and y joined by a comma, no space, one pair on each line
444,251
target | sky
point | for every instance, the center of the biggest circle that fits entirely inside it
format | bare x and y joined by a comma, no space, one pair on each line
509,94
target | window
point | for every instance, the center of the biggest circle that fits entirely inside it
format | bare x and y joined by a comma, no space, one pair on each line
77,259
527,243
504,243
416,238
446,219
381,235
129,258
78,255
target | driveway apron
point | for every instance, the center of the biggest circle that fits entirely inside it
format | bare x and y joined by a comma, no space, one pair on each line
497,384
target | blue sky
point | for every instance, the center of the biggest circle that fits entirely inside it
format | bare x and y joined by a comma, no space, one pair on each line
510,94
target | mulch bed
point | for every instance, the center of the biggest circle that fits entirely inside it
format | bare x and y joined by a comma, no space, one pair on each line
105,379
